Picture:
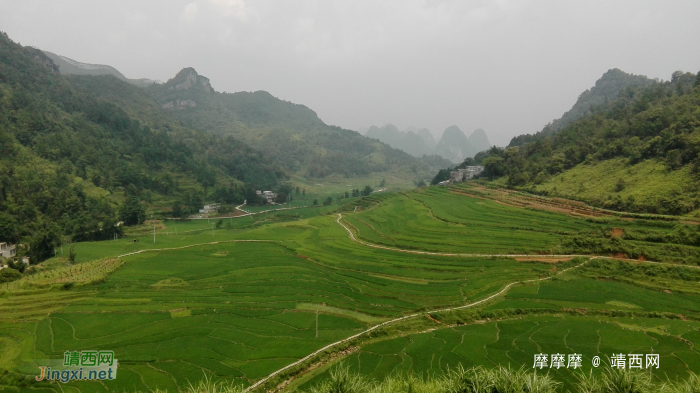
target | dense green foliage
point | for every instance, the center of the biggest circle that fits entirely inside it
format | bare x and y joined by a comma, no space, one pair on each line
69,146
289,134
606,89
659,122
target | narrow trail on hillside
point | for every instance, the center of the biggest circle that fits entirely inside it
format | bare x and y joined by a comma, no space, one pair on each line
194,245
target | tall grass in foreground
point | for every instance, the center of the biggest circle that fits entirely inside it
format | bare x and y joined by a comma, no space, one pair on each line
208,385
478,380
504,380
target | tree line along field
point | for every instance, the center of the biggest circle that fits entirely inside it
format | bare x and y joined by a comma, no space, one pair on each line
240,310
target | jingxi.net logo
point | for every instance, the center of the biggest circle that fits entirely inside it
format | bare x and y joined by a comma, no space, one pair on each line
80,366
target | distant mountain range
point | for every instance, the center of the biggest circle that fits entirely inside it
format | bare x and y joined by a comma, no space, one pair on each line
72,67
454,145
289,135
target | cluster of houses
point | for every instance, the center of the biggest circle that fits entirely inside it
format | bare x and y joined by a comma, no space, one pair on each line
460,175
268,195
211,208
9,251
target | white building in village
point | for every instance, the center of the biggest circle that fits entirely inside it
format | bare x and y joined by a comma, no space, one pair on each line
211,208
467,173
7,250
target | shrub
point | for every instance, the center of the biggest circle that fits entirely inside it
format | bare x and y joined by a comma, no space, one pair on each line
9,274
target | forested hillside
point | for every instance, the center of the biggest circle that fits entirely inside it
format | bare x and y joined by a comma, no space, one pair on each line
639,152
606,89
288,134
79,154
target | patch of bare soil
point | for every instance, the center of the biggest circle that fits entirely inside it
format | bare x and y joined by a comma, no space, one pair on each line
543,259
618,232
432,319
238,212
559,205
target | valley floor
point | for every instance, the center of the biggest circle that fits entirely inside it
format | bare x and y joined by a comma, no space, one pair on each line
260,293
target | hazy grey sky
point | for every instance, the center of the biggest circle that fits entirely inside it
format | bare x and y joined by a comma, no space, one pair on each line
508,67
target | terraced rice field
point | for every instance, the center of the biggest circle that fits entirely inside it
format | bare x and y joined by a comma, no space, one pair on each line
243,310
514,342
442,220
240,310
570,314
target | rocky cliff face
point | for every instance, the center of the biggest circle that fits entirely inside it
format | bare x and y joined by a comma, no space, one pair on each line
186,90
188,79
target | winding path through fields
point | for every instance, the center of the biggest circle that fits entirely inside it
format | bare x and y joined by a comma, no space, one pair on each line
424,313
405,317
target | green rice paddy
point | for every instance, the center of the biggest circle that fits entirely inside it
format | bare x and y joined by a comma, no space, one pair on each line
241,301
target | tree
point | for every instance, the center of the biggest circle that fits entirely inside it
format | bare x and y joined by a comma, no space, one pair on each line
9,228
303,192
494,166
207,178
296,191
132,212
367,190
328,201
347,195
697,80
315,203
72,254
382,183
281,198
420,183
442,175
43,243
178,211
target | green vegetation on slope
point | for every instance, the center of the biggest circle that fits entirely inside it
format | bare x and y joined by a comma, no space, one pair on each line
289,134
70,147
652,130
606,89
441,219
